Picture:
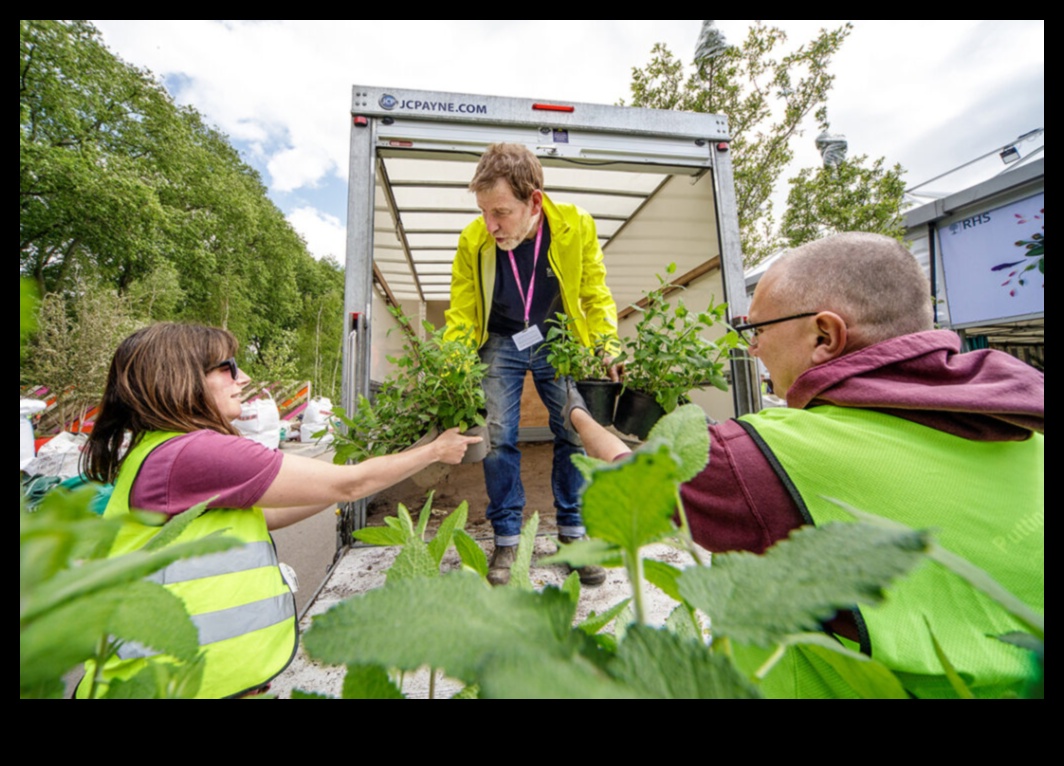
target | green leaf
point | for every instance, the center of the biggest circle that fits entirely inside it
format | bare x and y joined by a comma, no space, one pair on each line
519,572
176,524
445,534
867,678
369,682
596,622
571,587
299,694
585,553
414,562
470,692
69,634
685,431
662,665
103,574
800,581
631,502
160,680
453,623
471,554
664,576
1024,641
516,675
954,678
684,623
587,465
423,516
379,536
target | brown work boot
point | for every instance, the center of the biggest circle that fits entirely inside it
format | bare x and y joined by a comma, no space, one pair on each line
502,558
590,575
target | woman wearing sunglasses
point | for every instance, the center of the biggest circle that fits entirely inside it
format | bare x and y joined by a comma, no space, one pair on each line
174,390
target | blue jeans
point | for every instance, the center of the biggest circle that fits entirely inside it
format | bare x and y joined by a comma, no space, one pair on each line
502,467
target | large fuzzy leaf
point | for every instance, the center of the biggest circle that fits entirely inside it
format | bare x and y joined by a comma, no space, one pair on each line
800,581
369,682
631,503
471,554
445,534
70,633
660,664
519,572
685,431
453,623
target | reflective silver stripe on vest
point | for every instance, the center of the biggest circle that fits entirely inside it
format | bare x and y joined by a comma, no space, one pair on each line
227,623
248,556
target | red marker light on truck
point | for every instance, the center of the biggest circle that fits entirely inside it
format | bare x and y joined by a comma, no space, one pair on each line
552,108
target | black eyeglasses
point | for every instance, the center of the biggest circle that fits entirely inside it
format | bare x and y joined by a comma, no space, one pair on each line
230,363
750,331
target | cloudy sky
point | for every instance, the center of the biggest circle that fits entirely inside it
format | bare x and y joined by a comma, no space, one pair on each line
927,94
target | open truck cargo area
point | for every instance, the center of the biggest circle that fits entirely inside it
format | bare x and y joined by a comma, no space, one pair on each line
658,184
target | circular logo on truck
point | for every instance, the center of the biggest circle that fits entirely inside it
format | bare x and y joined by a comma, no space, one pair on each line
388,101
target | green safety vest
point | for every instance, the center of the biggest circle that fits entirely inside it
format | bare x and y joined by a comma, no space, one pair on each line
984,501
238,600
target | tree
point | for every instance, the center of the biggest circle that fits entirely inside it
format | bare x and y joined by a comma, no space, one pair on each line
766,98
847,196
71,352
122,190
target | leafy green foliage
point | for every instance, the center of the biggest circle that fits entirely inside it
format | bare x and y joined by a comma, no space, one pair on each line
72,598
519,571
686,434
800,581
436,384
849,196
122,190
510,642
569,356
766,98
452,623
669,357
419,558
369,682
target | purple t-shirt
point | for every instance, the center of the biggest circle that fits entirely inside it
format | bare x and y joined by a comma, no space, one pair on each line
194,467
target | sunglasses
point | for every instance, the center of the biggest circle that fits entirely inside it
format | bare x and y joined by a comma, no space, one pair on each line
230,363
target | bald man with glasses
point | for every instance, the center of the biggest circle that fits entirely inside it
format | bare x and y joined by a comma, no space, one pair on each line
886,414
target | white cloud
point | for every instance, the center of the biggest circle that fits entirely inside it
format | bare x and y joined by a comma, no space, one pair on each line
292,169
284,87
324,234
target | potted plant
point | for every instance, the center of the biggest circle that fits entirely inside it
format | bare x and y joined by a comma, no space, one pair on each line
436,385
571,358
669,358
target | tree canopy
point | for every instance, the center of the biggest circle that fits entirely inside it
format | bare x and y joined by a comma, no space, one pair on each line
121,189
767,97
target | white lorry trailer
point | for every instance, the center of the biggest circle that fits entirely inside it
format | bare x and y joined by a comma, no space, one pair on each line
658,183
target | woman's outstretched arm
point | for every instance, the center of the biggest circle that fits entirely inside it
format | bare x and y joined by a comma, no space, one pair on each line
305,486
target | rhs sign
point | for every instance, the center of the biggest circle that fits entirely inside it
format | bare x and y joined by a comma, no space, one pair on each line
994,263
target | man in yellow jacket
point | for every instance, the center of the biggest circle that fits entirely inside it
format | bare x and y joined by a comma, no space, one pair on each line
524,260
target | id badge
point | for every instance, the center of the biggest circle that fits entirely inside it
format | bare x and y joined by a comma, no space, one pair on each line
529,337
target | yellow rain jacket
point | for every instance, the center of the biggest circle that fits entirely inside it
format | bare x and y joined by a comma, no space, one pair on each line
575,256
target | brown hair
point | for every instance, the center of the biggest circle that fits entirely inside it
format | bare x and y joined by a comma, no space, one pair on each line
515,163
872,281
157,382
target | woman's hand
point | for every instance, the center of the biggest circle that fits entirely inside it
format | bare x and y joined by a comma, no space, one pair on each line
450,446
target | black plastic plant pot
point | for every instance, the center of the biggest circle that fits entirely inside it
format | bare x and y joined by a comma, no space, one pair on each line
601,399
637,413
475,453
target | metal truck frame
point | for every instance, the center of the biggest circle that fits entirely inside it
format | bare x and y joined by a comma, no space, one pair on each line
658,183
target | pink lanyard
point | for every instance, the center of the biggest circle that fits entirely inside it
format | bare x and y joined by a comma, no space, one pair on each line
532,282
